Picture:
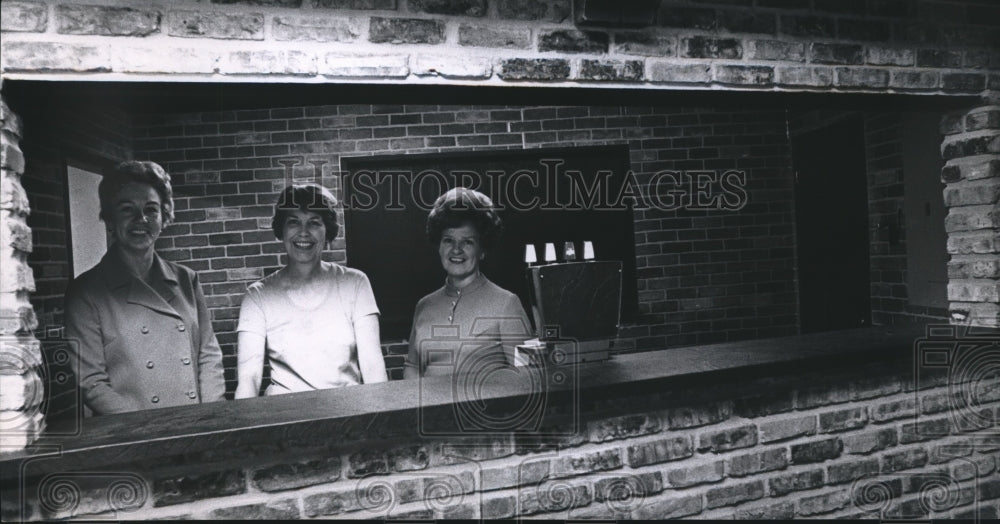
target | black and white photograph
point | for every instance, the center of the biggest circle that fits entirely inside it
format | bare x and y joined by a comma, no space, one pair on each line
421,260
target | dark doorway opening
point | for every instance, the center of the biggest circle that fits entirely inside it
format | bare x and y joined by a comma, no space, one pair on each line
831,203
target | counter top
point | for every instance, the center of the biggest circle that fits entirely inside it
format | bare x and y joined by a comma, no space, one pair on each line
171,431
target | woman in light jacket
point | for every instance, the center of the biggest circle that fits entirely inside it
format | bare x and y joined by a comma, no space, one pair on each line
137,323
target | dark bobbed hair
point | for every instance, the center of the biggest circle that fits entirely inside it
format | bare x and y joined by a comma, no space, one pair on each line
149,173
460,206
306,197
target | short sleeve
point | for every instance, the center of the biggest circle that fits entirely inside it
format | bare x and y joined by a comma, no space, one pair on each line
252,313
364,298
413,351
515,323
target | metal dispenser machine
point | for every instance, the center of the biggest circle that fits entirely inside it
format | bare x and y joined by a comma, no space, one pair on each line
576,307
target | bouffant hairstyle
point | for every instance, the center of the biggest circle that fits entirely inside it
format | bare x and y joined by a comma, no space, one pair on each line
460,206
306,197
125,173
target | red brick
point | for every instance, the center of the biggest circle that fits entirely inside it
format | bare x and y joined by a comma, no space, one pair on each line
659,451
285,509
849,471
23,17
640,486
488,36
572,41
844,419
689,417
824,503
869,442
817,451
727,439
179,489
622,427
107,21
686,476
528,473
924,430
553,496
821,396
779,511
893,410
498,507
787,428
586,463
800,481
734,494
52,56
331,502
757,462
902,460
297,474
669,507
213,24
534,69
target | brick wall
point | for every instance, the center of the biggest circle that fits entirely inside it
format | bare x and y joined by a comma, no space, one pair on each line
869,441
879,45
971,174
885,198
928,47
56,131
703,276
21,363
886,193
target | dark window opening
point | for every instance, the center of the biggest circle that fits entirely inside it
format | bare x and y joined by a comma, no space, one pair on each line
545,195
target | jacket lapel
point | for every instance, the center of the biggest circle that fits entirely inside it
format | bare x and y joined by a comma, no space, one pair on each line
118,276
169,277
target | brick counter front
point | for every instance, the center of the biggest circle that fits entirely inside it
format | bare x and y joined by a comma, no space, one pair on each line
826,425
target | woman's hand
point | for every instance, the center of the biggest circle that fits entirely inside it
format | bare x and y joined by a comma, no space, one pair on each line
249,364
370,360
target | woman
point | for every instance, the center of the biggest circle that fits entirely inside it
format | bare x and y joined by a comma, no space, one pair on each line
316,321
470,324
138,323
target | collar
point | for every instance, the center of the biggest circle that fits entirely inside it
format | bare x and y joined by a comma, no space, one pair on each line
472,287
116,274
136,291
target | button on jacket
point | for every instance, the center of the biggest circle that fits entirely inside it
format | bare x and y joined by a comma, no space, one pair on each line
138,348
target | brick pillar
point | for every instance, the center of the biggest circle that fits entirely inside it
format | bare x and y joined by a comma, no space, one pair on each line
971,149
21,389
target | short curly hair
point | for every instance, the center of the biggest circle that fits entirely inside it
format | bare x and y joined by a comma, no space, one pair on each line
460,206
306,197
134,171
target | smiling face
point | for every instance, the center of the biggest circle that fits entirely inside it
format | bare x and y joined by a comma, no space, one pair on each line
137,219
461,251
304,236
